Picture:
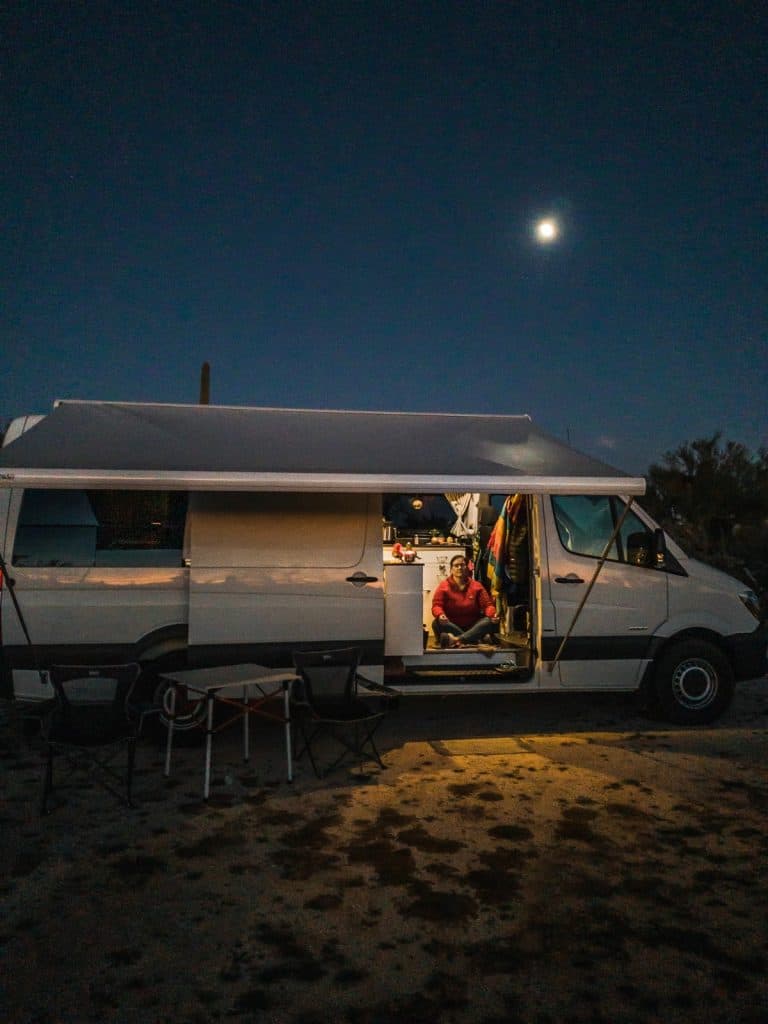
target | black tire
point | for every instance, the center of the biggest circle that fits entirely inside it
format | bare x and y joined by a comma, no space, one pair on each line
190,715
693,681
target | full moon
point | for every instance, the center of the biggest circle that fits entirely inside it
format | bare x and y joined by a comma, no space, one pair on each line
547,230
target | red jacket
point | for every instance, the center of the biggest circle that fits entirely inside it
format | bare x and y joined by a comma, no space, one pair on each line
462,607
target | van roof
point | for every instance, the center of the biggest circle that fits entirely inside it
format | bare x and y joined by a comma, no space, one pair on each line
212,447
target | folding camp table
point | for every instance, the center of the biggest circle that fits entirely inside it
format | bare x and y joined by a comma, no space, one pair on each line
245,688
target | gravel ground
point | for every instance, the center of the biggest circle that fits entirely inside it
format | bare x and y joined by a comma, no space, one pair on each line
522,858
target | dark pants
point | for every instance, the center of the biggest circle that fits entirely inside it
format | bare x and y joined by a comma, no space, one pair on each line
466,636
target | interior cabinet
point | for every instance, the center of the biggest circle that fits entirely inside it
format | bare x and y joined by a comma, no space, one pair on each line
435,559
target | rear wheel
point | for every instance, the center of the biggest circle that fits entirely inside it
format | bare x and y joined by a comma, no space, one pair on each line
155,691
693,682
190,712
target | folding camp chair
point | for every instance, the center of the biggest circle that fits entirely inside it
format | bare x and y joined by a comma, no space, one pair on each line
89,721
327,702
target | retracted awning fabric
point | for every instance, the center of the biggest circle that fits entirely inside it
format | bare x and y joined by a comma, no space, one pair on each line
206,447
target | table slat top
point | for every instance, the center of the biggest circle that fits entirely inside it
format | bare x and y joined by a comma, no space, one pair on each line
216,678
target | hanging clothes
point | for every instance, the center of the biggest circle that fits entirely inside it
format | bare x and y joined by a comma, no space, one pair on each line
506,530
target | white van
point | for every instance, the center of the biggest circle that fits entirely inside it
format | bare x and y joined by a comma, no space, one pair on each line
203,535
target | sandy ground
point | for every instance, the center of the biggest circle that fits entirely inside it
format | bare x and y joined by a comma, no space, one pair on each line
525,858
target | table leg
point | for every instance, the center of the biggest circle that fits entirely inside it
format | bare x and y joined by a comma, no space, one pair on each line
287,713
208,744
171,718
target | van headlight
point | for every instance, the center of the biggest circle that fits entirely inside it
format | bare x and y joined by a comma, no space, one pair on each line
751,602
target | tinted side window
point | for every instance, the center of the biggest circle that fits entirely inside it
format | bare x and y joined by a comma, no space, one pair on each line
585,523
109,528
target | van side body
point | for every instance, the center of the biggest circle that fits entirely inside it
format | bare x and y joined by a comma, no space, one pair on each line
227,576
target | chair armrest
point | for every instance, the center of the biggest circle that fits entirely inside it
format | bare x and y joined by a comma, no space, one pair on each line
380,689
139,710
143,707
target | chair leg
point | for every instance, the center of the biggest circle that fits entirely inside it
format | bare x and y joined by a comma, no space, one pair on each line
299,724
355,739
346,751
99,769
354,746
367,746
375,750
47,781
308,741
129,770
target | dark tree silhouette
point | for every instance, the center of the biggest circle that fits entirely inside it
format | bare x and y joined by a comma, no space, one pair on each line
713,499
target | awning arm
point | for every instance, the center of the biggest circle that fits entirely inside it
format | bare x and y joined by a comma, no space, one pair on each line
600,563
9,582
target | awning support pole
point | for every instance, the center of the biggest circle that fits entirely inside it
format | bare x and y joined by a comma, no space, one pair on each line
601,562
12,591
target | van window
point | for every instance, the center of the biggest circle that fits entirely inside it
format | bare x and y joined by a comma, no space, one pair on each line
585,523
419,513
100,528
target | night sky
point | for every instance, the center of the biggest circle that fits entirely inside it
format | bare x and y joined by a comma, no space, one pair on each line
334,203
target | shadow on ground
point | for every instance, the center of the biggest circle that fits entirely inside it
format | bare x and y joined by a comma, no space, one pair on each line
529,858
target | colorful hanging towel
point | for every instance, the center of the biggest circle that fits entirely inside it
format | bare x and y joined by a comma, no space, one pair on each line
497,545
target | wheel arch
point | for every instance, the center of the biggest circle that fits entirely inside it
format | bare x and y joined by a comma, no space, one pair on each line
694,633
160,643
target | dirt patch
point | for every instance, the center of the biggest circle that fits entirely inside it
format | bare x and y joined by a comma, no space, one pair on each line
422,840
441,905
601,873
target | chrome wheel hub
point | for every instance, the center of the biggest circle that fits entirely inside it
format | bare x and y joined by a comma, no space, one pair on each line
695,683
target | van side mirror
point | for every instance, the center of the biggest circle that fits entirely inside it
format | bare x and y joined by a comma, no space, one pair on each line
639,548
659,549
647,549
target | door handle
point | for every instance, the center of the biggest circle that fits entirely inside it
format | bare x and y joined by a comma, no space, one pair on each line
570,578
359,579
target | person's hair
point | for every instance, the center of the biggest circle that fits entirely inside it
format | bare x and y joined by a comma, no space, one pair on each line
462,557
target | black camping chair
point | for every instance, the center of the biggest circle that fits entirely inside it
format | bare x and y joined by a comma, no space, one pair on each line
89,721
327,701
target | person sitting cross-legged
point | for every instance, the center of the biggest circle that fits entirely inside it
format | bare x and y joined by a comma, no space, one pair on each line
464,613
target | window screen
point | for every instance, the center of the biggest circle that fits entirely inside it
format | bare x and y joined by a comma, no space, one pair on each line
104,528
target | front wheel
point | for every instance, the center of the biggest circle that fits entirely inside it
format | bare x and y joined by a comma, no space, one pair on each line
693,682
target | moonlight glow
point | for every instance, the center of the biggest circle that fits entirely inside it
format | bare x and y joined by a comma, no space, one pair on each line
547,231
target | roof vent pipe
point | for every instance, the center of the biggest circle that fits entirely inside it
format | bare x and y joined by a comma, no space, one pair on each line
205,384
